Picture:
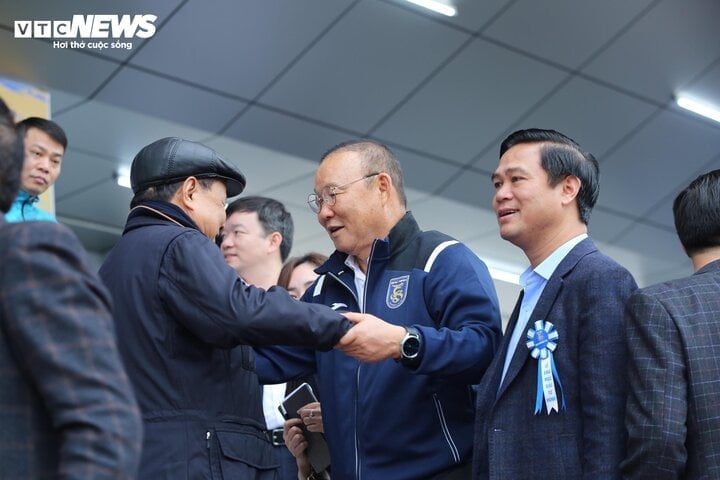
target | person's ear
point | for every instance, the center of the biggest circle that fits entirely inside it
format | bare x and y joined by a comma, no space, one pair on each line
570,188
274,241
186,193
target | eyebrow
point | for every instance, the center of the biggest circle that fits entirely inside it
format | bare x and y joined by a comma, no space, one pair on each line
508,171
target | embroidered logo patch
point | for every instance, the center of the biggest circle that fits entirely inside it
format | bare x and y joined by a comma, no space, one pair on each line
397,291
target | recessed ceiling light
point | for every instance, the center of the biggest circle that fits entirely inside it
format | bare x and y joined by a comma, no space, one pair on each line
436,6
698,106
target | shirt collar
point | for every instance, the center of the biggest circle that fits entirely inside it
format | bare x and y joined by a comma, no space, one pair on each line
23,196
548,266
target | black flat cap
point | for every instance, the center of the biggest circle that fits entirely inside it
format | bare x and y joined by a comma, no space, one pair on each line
173,159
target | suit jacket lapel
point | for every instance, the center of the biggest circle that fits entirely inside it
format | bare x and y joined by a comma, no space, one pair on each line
502,353
544,305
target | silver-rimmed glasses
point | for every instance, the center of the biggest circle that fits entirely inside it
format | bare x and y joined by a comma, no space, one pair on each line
328,194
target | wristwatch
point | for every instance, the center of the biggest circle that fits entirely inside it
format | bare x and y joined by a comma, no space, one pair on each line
410,347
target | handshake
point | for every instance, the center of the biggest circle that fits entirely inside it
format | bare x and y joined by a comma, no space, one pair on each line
371,339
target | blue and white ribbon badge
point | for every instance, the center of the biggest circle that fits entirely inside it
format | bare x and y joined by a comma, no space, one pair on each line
542,342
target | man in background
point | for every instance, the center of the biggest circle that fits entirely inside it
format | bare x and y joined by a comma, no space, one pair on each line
45,144
673,336
67,409
256,239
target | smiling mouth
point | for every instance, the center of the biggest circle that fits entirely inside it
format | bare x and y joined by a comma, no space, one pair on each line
505,212
332,230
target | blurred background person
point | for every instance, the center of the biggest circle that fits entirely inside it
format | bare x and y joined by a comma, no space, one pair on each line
297,274
45,143
256,239
67,408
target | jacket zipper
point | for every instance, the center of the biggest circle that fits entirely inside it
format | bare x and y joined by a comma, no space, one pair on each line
358,468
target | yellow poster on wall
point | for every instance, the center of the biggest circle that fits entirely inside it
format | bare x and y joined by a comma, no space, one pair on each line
29,101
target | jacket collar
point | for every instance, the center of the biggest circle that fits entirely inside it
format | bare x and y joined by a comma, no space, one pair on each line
711,267
158,213
383,248
24,197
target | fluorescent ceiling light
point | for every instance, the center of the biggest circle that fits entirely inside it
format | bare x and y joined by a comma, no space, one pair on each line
436,6
699,107
122,177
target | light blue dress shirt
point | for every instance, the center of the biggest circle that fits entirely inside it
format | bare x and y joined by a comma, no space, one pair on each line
533,282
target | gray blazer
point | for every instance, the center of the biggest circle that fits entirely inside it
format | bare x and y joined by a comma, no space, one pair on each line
67,409
673,408
585,299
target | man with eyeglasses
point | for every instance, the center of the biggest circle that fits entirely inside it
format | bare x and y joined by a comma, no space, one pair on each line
403,407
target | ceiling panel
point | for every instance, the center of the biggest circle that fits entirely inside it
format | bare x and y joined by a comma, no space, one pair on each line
656,161
707,86
423,173
605,226
654,243
664,50
36,62
593,115
264,169
472,187
84,205
564,31
288,134
81,170
463,108
237,46
356,86
474,15
96,126
662,211
159,97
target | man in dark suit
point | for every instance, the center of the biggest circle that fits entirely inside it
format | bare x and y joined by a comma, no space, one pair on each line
552,401
66,406
673,332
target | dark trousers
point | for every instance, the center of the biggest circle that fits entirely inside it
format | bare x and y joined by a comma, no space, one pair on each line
462,472
288,467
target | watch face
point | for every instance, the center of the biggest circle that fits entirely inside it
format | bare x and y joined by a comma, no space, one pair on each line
411,347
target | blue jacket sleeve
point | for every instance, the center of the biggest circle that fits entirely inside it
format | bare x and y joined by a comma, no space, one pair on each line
460,296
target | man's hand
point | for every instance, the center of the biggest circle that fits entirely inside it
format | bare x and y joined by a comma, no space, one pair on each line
311,415
296,443
371,339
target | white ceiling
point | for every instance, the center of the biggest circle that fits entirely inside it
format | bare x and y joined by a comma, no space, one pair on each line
271,84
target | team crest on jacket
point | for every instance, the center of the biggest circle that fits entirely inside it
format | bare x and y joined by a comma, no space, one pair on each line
397,291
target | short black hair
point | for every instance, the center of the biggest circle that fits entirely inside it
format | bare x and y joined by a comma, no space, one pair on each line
272,215
52,129
11,158
561,156
697,213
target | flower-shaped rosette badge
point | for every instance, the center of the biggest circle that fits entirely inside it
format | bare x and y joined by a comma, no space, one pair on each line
542,342
541,339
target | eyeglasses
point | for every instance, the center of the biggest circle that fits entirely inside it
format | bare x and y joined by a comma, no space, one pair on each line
328,194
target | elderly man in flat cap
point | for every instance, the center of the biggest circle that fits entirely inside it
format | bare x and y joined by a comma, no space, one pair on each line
184,320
